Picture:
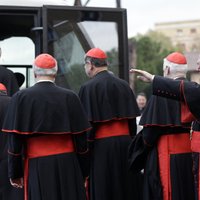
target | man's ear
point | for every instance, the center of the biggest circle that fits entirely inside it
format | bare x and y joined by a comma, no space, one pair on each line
92,67
168,71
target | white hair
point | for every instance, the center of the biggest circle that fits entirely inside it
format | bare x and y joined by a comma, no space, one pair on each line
44,71
175,67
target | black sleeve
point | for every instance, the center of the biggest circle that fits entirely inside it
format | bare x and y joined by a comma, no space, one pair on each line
81,146
151,134
91,136
132,127
166,87
137,153
141,146
15,155
84,158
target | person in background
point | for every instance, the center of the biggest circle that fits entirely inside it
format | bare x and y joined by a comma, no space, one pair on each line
174,145
47,125
112,110
141,101
7,192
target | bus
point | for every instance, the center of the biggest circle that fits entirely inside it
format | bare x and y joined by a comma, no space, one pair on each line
31,27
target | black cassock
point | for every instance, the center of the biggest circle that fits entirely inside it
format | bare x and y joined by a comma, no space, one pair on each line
46,112
107,100
7,192
166,128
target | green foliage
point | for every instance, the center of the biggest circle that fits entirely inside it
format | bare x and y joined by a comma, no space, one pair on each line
151,49
113,61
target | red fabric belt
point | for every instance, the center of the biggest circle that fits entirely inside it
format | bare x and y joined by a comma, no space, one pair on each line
195,142
170,144
186,115
49,145
178,143
112,128
45,146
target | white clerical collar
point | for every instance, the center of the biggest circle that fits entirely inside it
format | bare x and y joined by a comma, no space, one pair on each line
44,81
177,77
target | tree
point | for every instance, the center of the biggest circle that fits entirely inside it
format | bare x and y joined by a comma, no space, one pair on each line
151,48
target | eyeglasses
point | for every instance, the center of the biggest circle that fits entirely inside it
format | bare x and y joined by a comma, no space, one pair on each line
87,62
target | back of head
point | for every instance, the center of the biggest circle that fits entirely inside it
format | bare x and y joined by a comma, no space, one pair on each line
45,65
175,63
97,57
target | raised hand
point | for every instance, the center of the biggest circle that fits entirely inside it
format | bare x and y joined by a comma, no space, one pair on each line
143,75
17,183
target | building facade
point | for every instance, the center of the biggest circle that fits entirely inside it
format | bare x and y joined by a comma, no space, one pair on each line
186,36
183,34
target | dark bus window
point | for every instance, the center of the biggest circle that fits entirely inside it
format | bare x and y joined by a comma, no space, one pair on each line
104,35
68,33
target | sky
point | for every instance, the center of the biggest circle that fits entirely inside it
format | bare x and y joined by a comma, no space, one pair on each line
143,14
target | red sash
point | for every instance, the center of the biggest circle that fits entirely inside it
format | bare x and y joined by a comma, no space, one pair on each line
170,144
112,128
186,115
44,146
195,142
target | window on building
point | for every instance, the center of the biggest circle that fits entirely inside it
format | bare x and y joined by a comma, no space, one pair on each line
193,30
194,47
179,32
181,46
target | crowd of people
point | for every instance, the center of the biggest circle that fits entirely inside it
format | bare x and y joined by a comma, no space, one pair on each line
64,146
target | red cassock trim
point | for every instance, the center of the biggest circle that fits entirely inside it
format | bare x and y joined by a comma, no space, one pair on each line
112,128
45,146
167,145
45,133
186,115
195,142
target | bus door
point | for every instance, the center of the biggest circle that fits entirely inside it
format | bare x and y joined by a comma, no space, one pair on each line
69,32
18,40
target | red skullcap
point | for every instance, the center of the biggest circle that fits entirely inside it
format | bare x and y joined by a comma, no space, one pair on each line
96,53
2,87
177,58
45,61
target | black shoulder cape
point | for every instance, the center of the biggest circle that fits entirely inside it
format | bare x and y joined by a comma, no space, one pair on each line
106,97
45,108
161,111
187,92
